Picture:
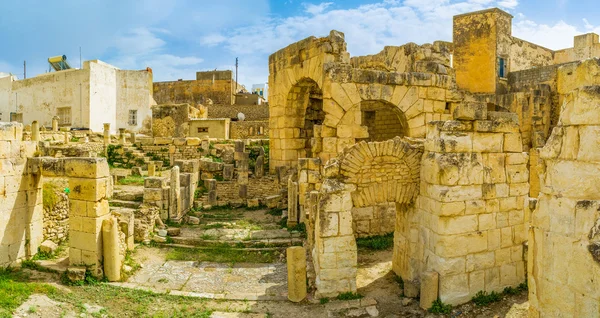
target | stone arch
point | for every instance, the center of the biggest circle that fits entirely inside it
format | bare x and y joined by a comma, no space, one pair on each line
383,120
366,174
304,108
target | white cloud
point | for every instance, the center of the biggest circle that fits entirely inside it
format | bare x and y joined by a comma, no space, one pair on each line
509,4
138,40
315,9
557,36
212,39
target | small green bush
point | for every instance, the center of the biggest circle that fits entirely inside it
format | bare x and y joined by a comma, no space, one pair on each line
438,307
323,300
376,243
349,296
482,298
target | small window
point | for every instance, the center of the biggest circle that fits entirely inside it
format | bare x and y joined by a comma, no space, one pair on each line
202,129
132,117
64,116
502,67
18,117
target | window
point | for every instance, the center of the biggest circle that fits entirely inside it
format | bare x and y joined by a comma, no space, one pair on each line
132,117
64,115
18,117
202,129
502,67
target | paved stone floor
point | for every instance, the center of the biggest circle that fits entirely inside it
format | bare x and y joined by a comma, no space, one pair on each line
213,280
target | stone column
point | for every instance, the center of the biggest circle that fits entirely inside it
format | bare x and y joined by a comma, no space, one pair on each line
121,136
172,150
429,289
66,137
243,178
296,269
292,203
91,187
35,131
106,134
132,134
175,195
151,169
55,123
110,241
227,172
212,191
259,168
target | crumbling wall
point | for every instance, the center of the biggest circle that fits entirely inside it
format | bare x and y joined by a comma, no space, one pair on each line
251,112
249,129
56,211
474,185
563,263
408,58
171,120
21,211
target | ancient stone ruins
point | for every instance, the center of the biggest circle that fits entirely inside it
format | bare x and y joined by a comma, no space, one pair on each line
480,155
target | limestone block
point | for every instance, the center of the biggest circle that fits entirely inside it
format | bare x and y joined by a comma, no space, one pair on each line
86,167
48,247
454,289
296,267
193,141
517,173
155,182
471,111
504,121
228,172
89,189
429,289
513,142
411,288
488,142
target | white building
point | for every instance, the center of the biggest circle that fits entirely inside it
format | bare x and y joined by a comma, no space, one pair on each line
81,98
262,90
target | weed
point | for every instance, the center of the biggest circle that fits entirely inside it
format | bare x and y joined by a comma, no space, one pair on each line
438,307
14,290
482,298
49,197
323,300
32,309
163,280
275,212
377,243
349,296
169,240
214,226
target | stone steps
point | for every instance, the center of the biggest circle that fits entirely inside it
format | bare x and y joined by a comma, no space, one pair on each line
128,196
272,243
125,204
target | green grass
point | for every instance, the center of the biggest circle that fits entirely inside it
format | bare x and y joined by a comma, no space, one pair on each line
275,212
221,254
438,307
323,300
349,296
14,290
213,226
132,180
376,243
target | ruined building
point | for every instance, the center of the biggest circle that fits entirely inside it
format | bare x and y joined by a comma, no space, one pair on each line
454,144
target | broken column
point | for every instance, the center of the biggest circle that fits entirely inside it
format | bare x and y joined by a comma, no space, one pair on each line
55,123
110,242
228,172
121,136
211,185
175,195
296,269
151,169
429,289
172,150
259,168
66,137
35,131
241,160
293,216
132,136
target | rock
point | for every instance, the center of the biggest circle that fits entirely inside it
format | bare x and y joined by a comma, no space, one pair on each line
162,233
173,231
406,301
160,239
75,274
518,310
48,247
193,220
253,203
411,289
372,311
136,171
127,268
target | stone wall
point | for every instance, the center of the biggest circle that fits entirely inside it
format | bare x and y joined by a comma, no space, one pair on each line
56,211
374,220
251,112
249,129
474,186
228,191
21,211
563,264
408,58
194,92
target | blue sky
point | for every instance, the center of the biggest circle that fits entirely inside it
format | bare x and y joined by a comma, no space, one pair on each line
176,38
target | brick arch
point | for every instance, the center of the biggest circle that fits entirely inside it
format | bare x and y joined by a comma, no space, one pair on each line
387,171
303,110
383,120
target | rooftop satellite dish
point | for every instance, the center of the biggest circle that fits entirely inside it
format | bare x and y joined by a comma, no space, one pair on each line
241,116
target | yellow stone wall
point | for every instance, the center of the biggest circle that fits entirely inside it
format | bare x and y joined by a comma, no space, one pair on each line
563,259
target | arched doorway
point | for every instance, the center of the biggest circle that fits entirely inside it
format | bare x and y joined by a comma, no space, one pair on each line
383,120
305,102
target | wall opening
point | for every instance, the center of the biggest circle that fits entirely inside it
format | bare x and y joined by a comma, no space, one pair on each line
306,98
383,120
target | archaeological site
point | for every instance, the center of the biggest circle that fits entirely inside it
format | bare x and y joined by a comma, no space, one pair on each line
453,179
